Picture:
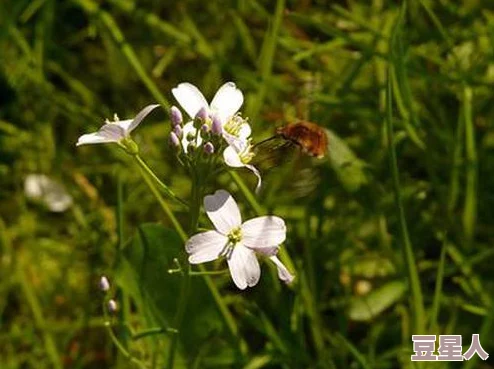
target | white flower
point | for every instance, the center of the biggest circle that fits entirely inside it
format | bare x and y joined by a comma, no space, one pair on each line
225,105
238,242
239,154
115,131
52,194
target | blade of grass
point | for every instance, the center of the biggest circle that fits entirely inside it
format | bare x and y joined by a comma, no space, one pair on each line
265,62
108,21
407,248
152,20
470,207
39,320
354,351
454,182
436,304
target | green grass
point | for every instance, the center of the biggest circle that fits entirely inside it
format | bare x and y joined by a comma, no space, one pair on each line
390,235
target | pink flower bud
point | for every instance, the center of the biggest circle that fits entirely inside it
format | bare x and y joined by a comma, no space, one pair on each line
176,116
202,114
104,284
217,127
112,306
174,141
178,131
208,148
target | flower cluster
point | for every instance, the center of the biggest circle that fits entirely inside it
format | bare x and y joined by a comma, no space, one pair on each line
216,127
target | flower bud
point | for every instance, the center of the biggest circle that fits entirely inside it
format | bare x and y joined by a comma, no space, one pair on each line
112,306
202,114
104,284
176,116
208,148
174,141
190,136
217,127
178,131
205,128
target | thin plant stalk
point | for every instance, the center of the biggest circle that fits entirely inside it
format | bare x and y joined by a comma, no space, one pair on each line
408,254
163,186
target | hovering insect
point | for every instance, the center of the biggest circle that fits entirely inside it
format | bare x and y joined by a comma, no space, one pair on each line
290,150
310,137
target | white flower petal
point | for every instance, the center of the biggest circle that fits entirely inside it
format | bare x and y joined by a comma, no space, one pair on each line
95,138
283,272
244,267
205,246
231,157
140,116
258,175
261,232
124,124
223,211
227,101
244,131
190,98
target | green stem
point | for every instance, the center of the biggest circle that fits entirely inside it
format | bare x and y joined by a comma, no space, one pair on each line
163,186
413,276
163,204
123,350
153,331
470,207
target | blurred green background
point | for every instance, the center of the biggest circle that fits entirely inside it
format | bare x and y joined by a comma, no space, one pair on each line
357,68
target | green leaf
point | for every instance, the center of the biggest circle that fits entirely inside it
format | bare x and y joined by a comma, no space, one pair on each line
364,308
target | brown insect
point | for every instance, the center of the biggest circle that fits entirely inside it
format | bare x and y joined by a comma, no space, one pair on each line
310,137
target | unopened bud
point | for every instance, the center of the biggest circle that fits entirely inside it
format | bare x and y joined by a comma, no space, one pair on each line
104,284
176,116
217,127
174,141
208,148
191,136
202,114
205,128
178,131
112,306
